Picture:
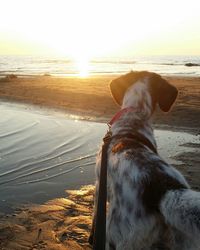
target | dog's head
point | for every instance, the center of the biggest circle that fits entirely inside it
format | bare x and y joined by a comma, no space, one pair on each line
160,90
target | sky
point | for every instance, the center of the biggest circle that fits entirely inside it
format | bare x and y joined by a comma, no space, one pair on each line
92,28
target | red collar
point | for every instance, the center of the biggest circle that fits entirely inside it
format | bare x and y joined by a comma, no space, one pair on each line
120,113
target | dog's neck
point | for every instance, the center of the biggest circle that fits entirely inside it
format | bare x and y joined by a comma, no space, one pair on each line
138,119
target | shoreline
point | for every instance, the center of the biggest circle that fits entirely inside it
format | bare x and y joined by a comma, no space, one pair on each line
90,98
78,115
91,75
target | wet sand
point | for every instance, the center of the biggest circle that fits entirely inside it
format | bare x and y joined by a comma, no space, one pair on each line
64,223
90,97
60,224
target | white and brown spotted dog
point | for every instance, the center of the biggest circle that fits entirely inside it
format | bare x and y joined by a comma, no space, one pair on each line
151,206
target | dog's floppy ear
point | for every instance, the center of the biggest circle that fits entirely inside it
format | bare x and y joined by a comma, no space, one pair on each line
167,94
117,91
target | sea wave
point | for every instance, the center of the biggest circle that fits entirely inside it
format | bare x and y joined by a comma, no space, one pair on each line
28,66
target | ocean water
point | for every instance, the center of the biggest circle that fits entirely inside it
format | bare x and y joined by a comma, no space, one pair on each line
60,66
44,153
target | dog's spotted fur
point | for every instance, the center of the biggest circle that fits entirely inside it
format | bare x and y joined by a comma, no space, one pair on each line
150,204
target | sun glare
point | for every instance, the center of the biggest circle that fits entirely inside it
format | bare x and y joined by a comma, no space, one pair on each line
82,66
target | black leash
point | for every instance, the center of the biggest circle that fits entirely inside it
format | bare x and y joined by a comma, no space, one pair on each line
98,232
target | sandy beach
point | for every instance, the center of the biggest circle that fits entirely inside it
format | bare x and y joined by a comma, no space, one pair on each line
90,97
64,223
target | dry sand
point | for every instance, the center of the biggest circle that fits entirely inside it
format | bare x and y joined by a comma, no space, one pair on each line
65,223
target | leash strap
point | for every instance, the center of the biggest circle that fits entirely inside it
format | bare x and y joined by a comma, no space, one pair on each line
99,227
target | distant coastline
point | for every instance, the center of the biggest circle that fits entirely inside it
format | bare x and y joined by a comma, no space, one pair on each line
28,66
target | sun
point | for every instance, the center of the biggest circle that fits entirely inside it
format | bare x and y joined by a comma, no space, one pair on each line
82,66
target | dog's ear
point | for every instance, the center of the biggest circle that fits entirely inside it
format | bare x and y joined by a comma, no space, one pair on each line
167,96
119,85
165,92
117,91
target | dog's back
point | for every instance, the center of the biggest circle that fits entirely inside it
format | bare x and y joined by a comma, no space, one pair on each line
147,203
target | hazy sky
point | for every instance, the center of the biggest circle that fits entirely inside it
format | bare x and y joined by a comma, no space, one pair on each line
88,28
